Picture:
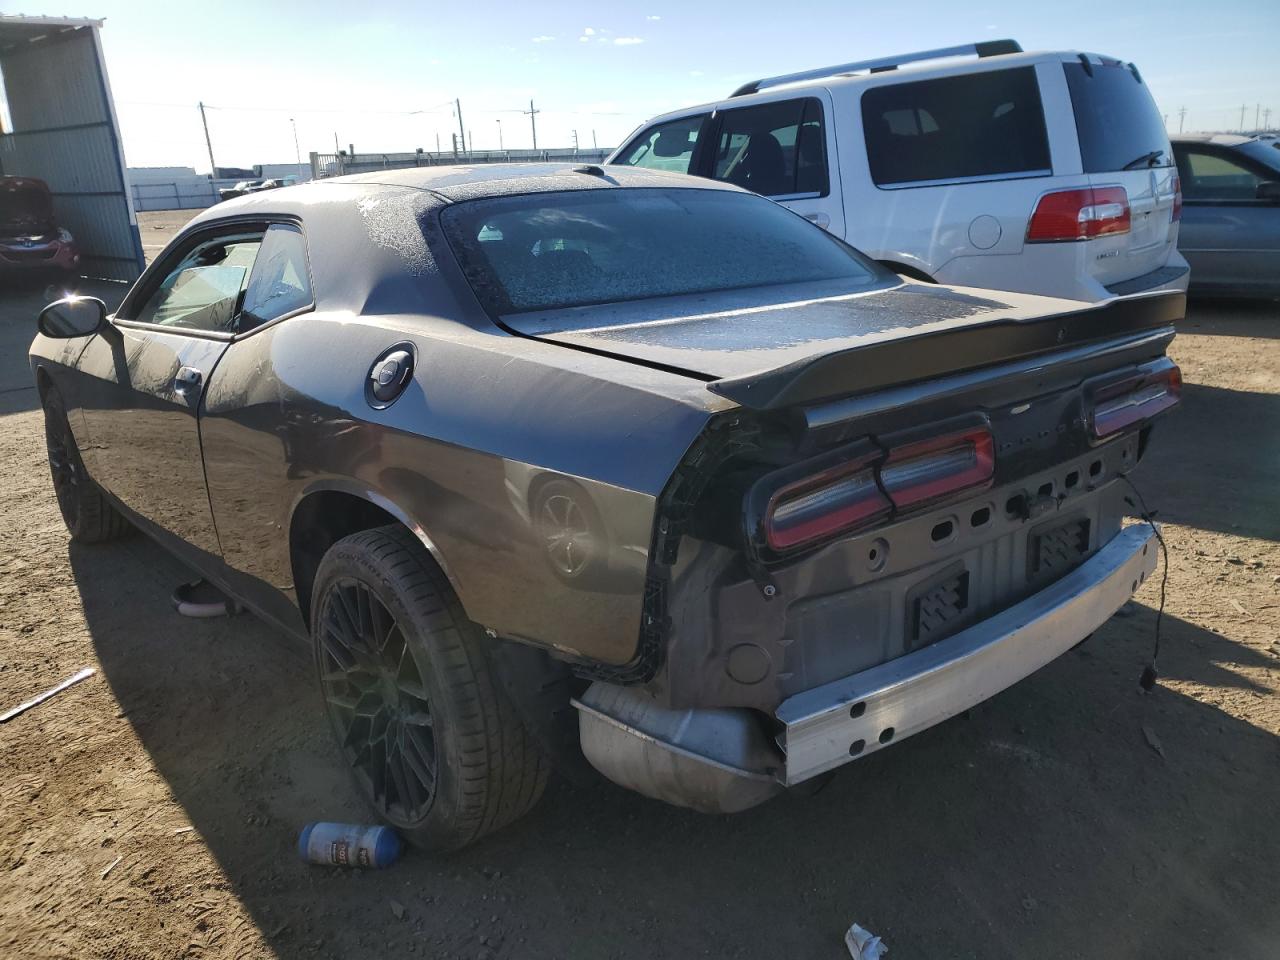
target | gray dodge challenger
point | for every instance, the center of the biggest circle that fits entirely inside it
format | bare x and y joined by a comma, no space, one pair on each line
578,466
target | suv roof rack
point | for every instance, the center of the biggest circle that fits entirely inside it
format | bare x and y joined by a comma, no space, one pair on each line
983,48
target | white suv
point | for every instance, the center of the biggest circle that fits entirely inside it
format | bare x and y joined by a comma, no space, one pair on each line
1046,173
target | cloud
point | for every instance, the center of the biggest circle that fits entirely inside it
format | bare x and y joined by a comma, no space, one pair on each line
588,31
543,39
584,39
653,18
627,41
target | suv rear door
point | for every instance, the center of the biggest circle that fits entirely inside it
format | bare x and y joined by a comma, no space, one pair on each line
1123,143
781,149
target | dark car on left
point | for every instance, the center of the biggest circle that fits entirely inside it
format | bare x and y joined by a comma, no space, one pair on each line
32,244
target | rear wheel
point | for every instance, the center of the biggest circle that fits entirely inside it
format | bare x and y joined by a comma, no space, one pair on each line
89,516
432,741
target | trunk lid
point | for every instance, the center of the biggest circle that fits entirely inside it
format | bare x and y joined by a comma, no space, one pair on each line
765,353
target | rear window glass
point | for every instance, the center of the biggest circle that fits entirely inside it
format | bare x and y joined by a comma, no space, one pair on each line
1116,119
975,126
668,146
552,250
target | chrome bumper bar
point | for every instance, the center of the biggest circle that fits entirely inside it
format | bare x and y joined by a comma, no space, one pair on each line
833,724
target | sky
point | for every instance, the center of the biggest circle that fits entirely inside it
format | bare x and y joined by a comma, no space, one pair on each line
383,75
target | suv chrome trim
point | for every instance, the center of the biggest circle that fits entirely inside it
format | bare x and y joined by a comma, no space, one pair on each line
823,727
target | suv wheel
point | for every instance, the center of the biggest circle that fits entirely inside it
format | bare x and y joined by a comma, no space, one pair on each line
430,738
88,514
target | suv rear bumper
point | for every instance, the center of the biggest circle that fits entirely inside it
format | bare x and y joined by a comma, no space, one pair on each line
721,760
1170,278
830,725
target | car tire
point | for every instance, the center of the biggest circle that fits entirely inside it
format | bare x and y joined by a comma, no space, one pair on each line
90,517
423,725
570,531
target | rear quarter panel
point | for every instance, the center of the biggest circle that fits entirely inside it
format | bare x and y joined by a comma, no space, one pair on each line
457,456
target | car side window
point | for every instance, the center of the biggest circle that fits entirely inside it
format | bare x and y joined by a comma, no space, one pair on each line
668,146
1208,175
774,149
968,127
203,292
280,282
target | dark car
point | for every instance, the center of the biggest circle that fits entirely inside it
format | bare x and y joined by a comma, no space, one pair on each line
1231,218
502,441
239,189
31,242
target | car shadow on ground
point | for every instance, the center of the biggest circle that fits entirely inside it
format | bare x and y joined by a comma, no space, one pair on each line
1226,317
1238,432
1043,824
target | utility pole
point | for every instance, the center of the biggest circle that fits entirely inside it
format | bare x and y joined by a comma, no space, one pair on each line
1266,119
471,142
461,132
1182,116
533,122
455,145
1257,109
500,150
297,153
437,141
594,145
575,143
213,167
1243,107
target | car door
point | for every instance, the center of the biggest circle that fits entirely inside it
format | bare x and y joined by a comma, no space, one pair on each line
779,149
145,379
1230,237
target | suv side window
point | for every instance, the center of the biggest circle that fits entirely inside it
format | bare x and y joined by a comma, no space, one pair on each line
203,291
668,146
774,149
1208,175
280,282
970,127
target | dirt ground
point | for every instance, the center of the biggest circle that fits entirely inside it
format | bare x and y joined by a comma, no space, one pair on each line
152,810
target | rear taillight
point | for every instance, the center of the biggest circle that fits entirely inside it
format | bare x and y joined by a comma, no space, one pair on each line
1177,200
834,501
1119,405
1079,215
939,467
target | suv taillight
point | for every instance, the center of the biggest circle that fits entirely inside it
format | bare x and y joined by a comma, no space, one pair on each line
1079,215
1121,404
1177,200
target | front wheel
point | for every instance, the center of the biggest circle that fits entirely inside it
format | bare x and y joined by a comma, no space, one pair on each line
430,738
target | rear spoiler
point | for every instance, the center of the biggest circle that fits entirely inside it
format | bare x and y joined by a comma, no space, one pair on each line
907,359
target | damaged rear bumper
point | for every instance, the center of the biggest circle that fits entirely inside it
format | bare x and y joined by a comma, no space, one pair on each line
720,760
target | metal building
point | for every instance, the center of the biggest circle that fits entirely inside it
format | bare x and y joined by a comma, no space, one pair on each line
64,131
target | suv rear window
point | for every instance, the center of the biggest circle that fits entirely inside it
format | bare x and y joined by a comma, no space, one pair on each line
1116,119
775,149
971,127
547,251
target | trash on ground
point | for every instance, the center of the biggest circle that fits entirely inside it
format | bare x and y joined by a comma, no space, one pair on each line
863,944
51,692
111,866
1153,741
397,909
348,845
201,599
183,830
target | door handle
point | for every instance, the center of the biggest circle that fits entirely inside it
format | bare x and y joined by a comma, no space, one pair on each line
821,219
188,378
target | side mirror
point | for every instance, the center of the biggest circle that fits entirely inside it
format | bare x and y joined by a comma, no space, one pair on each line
1269,190
72,317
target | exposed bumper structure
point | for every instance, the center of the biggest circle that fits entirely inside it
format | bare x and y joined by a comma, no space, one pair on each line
829,725
722,760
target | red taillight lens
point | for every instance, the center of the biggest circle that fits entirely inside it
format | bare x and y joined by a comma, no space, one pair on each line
939,467
1177,200
1079,215
834,501
1140,397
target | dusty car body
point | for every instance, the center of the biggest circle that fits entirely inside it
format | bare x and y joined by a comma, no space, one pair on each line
31,241
753,531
